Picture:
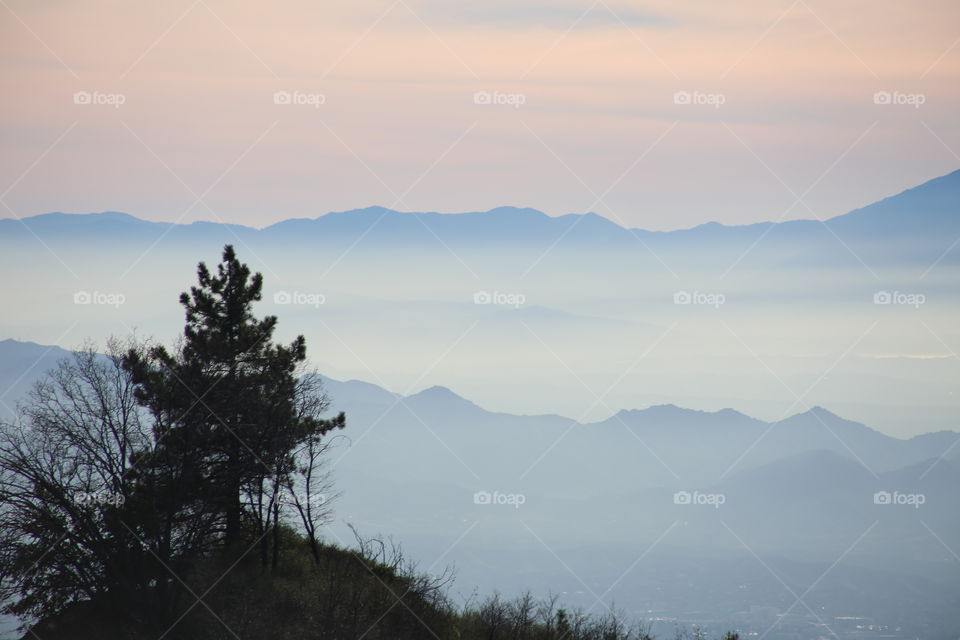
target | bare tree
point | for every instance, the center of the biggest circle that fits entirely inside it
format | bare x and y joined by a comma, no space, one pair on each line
66,472
310,490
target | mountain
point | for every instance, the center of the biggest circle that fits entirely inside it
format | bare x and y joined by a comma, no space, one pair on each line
660,446
924,219
701,446
21,364
440,403
417,297
503,225
931,205
540,292
588,505
705,444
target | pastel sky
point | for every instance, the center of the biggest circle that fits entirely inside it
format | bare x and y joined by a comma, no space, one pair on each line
583,114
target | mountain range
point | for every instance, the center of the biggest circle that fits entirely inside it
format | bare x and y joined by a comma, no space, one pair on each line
803,488
923,222
689,514
813,455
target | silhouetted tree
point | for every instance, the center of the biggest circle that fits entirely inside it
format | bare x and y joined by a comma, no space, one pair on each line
126,473
66,478
228,407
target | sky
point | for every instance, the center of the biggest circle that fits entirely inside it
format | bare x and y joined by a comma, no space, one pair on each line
657,115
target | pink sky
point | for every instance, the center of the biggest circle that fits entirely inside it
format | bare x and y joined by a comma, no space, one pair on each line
787,127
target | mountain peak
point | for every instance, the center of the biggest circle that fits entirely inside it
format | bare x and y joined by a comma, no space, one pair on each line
437,391
731,413
523,211
441,400
371,210
61,218
820,412
26,345
657,411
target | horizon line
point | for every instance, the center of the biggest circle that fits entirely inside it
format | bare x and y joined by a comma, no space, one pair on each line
468,212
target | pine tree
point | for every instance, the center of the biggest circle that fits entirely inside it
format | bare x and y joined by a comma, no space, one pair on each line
226,405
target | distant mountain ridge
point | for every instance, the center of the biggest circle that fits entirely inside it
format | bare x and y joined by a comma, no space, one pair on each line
686,441
937,200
